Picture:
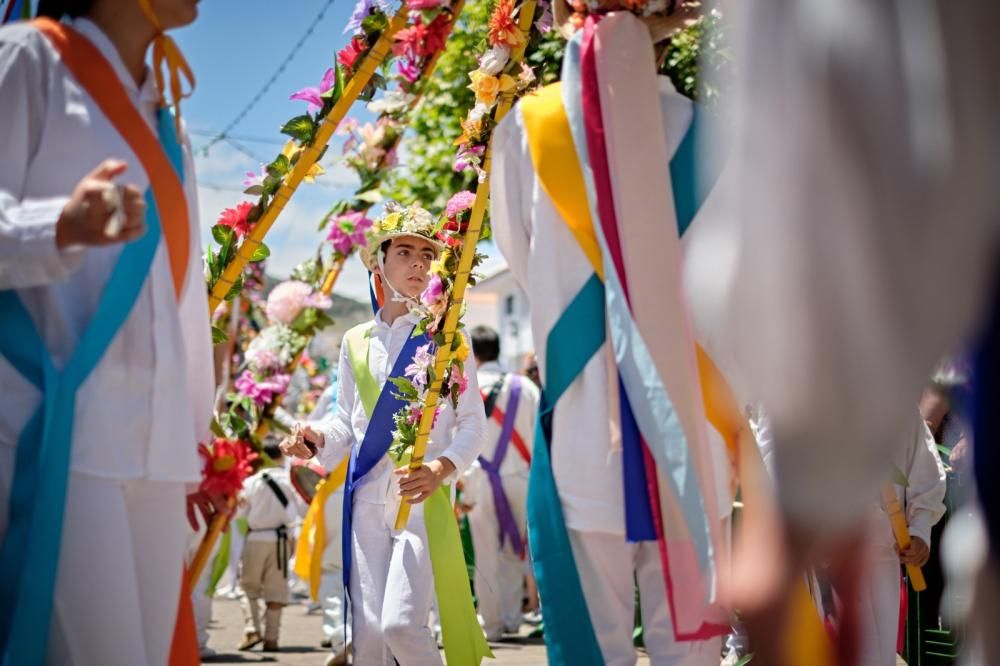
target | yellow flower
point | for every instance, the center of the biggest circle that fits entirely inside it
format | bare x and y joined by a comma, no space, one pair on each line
485,86
291,150
438,265
391,222
462,352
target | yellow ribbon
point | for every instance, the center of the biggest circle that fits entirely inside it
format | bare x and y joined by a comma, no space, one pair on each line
166,52
309,551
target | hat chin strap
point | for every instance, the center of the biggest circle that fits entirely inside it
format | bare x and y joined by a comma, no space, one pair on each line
397,297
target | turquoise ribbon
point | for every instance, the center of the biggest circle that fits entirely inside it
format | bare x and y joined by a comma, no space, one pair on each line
577,335
29,556
573,341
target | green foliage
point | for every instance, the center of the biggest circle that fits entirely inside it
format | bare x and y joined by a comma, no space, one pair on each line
428,178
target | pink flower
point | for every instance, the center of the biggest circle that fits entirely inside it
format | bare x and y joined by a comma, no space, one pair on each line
409,69
349,231
261,391
262,360
420,5
414,417
253,179
313,95
469,157
434,292
416,371
236,218
459,381
461,202
287,300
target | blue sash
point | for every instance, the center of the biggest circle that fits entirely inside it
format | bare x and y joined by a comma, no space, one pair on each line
378,439
29,556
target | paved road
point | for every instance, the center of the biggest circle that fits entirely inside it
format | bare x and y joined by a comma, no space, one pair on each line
301,634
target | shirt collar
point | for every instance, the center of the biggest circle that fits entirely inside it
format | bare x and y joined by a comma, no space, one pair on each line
90,30
407,320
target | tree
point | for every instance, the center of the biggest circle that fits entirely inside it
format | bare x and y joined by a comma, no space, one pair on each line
426,175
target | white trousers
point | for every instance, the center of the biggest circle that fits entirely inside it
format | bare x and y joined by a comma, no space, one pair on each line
499,571
119,576
392,590
331,596
609,568
878,613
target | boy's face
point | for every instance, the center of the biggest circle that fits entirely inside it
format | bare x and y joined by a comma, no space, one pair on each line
407,262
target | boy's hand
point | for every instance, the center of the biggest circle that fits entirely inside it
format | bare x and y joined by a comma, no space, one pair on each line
416,485
99,212
917,553
302,443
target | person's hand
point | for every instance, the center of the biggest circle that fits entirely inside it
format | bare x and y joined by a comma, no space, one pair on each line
99,212
208,504
916,554
302,443
416,485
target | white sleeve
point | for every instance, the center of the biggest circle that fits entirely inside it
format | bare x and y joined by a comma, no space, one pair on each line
470,426
510,212
927,483
338,434
28,253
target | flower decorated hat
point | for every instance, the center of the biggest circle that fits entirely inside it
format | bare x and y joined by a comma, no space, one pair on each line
399,221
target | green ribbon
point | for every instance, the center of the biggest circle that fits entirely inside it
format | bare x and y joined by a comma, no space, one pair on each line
463,638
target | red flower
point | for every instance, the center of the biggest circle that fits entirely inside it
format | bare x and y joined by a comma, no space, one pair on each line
349,55
236,218
227,465
437,35
409,41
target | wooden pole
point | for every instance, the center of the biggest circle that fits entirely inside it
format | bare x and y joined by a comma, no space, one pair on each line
902,533
307,158
443,355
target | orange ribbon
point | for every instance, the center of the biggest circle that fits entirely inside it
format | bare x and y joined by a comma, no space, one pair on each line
166,52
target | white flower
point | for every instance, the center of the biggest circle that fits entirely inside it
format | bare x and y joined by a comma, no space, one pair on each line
494,60
478,112
391,102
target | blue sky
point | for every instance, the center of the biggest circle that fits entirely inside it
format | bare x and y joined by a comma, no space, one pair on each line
234,48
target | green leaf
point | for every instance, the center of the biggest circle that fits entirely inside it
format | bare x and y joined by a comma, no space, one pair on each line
254,190
279,167
407,391
944,451
218,335
270,186
235,289
222,234
744,660
370,197
217,429
260,254
301,128
323,320
899,478
374,22
305,321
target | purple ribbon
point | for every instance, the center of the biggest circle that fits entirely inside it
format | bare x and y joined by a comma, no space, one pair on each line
505,516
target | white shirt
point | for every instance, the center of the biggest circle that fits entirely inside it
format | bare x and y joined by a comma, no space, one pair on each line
263,509
142,409
524,420
457,435
542,255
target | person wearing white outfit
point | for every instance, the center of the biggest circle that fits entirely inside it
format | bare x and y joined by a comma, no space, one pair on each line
586,451
922,500
270,505
143,408
499,564
391,581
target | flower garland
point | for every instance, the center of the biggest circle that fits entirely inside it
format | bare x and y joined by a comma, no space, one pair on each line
497,75
234,224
